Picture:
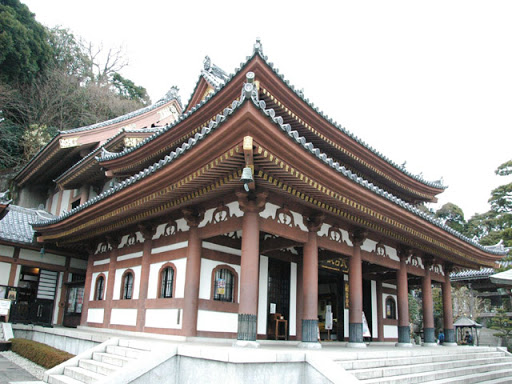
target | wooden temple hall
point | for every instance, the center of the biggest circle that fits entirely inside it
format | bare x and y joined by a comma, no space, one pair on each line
246,214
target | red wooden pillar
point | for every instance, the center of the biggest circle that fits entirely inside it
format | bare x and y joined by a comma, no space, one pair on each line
87,287
192,274
251,205
310,285
355,294
449,331
148,233
428,305
404,331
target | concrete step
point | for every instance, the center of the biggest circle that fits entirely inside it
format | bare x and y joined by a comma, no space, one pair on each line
398,361
98,367
62,379
415,368
501,376
108,358
135,344
125,351
83,375
441,374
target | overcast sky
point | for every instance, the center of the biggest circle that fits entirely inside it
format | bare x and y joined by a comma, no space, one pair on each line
427,82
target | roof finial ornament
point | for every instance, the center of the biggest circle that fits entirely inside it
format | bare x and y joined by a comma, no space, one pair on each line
173,93
207,62
258,47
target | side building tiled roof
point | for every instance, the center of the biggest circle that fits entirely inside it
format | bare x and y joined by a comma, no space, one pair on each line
16,225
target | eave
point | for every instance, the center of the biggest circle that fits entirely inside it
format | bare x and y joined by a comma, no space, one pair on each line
209,167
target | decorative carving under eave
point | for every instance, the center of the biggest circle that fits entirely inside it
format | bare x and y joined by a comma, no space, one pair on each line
221,214
436,268
233,235
380,250
131,240
334,234
284,216
358,236
314,222
104,247
414,261
193,216
252,202
147,231
171,228
69,142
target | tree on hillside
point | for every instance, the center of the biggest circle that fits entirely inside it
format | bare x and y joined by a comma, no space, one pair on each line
24,48
452,216
50,81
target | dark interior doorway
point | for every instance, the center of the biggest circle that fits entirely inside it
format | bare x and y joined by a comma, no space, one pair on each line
278,295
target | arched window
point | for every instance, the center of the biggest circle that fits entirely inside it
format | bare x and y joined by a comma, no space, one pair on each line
167,273
127,285
224,284
100,287
390,308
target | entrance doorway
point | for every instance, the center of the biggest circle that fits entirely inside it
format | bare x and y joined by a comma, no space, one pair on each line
331,297
278,299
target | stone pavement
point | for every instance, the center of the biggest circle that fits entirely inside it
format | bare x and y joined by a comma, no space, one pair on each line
10,372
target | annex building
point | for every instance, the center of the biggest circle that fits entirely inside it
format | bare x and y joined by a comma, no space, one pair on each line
246,214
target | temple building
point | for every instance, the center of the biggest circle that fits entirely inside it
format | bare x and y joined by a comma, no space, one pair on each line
246,214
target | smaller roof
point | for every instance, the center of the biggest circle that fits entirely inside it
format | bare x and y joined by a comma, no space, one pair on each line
464,322
15,226
502,278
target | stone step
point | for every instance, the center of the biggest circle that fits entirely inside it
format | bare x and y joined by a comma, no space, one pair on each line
135,344
125,351
108,358
415,368
98,367
62,379
397,361
439,375
501,376
83,375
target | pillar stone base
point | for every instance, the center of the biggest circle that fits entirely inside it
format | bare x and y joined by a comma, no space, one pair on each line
309,331
309,345
403,345
355,345
449,336
404,335
355,333
430,336
246,327
246,344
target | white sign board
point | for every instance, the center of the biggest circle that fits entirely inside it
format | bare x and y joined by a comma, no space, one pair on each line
328,317
366,329
5,305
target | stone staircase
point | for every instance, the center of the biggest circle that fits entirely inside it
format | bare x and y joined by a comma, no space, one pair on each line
115,361
454,365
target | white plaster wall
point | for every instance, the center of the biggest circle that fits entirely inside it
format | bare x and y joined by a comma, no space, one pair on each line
222,248
390,331
269,211
346,324
17,275
136,282
217,321
5,271
292,329
386,285
263,296
207,267
66,197
6,251
375,325
78,263
182,225
57,298
123,316
101,262
368,245
55,202
95,315
179,279
170,247
93,285
392,253
129,256
163,318
49,258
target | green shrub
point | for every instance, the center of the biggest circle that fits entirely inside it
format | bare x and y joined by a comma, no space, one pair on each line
41,354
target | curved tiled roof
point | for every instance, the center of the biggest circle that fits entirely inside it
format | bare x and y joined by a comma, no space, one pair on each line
249,93
15,226
258,51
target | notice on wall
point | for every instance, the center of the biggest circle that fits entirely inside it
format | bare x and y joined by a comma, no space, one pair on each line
221,286
366,329
328,317
5,305
272,308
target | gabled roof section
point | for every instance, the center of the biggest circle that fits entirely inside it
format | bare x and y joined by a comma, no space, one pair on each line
210,80
15,226
311,123
68,147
